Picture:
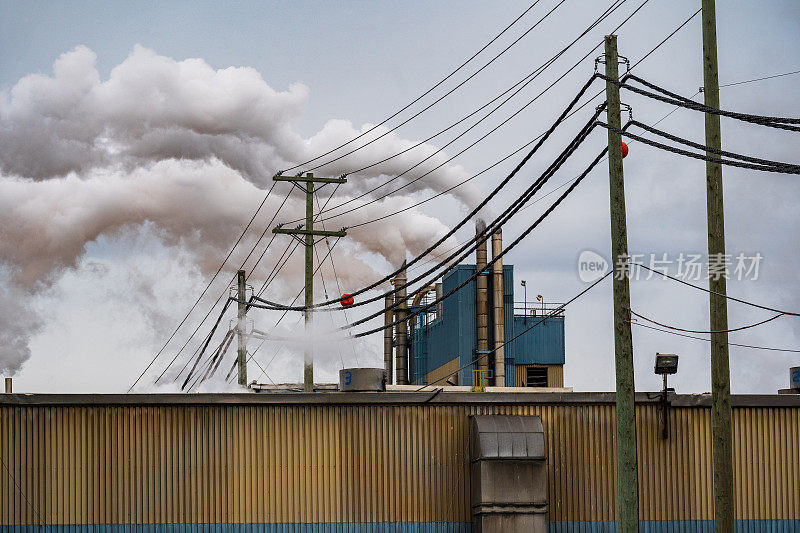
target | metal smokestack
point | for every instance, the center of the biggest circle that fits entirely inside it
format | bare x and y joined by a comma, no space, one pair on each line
387,339
482,299
400,313
499,330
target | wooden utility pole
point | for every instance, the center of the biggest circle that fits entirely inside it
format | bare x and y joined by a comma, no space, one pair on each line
627,469
721,432
241,326
308,233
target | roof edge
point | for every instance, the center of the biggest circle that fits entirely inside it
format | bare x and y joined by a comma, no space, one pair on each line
438,397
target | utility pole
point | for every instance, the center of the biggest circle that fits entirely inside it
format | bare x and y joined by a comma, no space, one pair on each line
308,233
241,326
627,468
721,432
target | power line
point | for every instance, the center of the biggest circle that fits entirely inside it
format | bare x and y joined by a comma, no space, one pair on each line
219,298
389,131
765,162
785,123
698,287
608,11
214,277
709,340
526,144
499,220
520,85
507,249
708,332
781,168
760,79
420,97
296,166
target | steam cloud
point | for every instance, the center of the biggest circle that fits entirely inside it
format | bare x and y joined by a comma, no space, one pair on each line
188,149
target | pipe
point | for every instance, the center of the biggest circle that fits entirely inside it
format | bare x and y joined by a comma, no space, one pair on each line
440,305
8,385
421,294
388,318
482,301
401,350
499,330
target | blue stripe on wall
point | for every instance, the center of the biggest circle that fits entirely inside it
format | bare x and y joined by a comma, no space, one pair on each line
648,526
677,526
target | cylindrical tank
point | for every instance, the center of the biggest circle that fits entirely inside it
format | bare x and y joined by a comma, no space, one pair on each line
362,379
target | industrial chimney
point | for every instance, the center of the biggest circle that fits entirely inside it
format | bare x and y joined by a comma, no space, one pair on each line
499,330
482,299
388,318
400,313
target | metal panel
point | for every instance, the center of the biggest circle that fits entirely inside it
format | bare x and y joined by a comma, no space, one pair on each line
543,344
360,464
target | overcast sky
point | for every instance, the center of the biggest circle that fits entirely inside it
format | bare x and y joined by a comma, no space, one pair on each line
95,316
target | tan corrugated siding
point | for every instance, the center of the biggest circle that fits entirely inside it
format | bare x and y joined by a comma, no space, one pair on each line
555,375
364,463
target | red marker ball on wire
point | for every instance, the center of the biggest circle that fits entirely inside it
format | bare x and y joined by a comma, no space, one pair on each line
347,300
624,150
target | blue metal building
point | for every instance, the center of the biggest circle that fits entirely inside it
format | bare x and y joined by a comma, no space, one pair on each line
444,340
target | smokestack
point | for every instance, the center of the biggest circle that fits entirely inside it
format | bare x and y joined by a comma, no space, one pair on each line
387,340
482,300
8,385
499,330
400,313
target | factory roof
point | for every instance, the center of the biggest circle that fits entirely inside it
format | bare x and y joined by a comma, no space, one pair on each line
440,397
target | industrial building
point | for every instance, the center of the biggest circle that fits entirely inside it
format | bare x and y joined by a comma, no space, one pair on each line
479,435
479,335
445,340
379,462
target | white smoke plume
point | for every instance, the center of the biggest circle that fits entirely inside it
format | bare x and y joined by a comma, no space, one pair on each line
189,150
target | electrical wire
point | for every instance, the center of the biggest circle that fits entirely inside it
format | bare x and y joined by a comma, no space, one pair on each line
765,162
465,219
707,332
214,277
420,97
297,166
709,340
338,286
391,130
708,109
608,11
520,85
784,123
760,79
499,256
576,110
482,236
780,168
709,291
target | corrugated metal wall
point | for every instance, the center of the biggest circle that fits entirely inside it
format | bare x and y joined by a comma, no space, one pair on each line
229,464
555,375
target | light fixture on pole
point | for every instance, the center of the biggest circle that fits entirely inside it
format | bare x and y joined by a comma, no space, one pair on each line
666,364
525,299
